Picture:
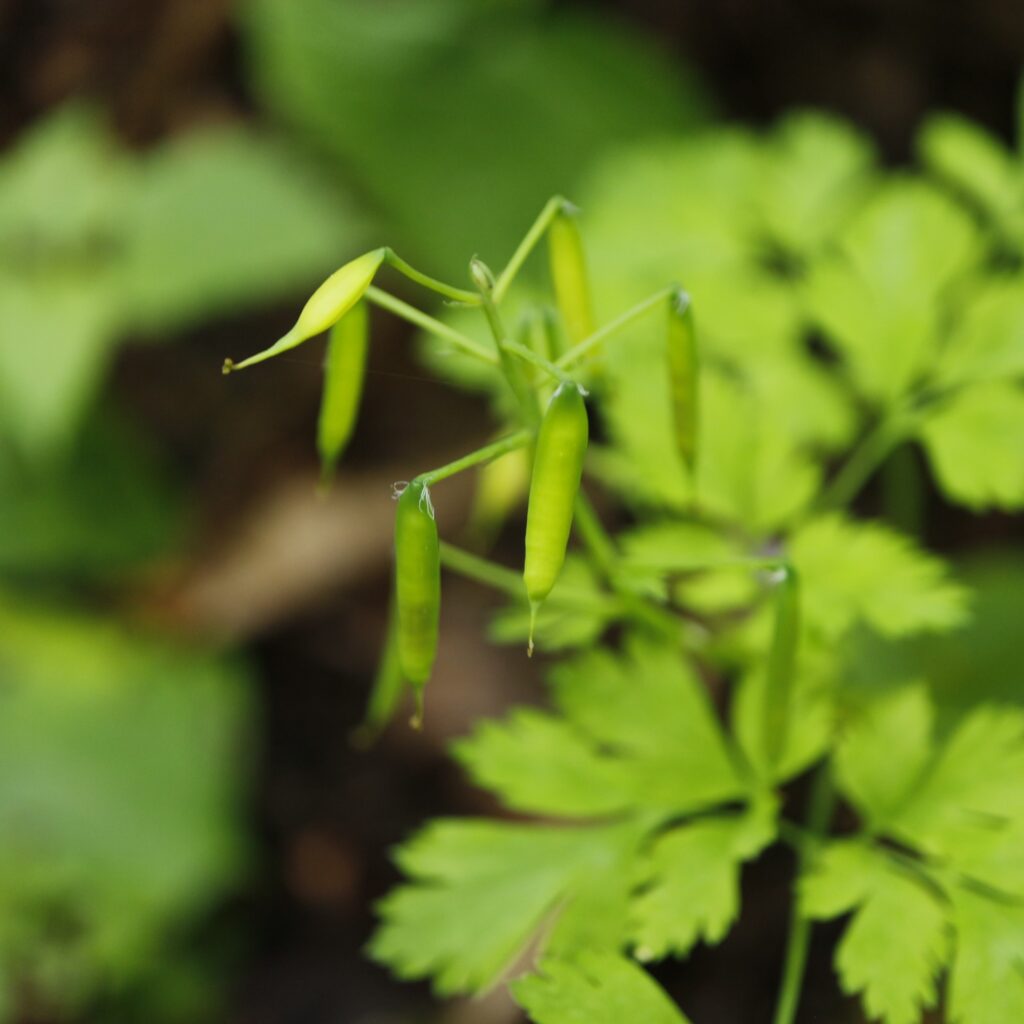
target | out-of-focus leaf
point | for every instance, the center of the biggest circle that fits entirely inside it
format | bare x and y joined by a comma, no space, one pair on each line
389,91
121,769
222,218
103,508
976,446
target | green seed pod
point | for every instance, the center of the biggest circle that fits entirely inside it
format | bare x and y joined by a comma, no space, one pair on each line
417,583
326,306
682,375
569,274
344,371
781,664
557,468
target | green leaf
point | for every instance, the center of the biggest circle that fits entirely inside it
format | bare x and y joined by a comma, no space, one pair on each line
109,820
648,707
978,165
986,982
882,753
897,940
540,763
866,572
597,988
383,90
817,170
976,446
223,218
480,892
878,301
987,342
690,882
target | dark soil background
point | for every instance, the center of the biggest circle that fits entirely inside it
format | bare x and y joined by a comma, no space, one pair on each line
324,814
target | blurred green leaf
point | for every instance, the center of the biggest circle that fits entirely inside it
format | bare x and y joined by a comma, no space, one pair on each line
223,218
461,119
116,828
101,510
595,988
975,443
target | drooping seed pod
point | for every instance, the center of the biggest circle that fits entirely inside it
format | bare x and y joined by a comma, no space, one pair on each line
344,371
557,469
417,583
325,307
781,665
569,275
683,371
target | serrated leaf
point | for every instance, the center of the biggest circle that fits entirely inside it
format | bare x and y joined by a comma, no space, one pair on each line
878,299
861,571
648,707
690,882
883,752
976,446
976,783
479,892
986,982
596,988
540,763
897,940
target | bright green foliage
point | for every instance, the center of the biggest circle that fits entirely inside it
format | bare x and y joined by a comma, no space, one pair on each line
953,897
690,882
98,243
897,939
595,988
866,572
109,816
384,89
976,446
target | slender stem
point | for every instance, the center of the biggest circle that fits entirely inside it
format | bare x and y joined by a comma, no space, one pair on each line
428,323
551,210
392,259
866,458
602,549
485,454
577,352
819,814
513,372
529,356
511,582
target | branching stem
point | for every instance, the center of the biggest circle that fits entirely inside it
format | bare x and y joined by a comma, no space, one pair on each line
551,210
481,455
392,259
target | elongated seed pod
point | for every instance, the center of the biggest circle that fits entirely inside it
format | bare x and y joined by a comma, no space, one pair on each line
683,376
417,583
326,306
344,371
569,275
781,665
557,468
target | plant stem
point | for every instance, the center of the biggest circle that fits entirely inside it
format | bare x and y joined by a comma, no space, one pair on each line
428,323
485,454
577,352
392,259
510,582
819,813
866,458
529,356
551,210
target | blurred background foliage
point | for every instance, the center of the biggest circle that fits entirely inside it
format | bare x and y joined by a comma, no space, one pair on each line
184,834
